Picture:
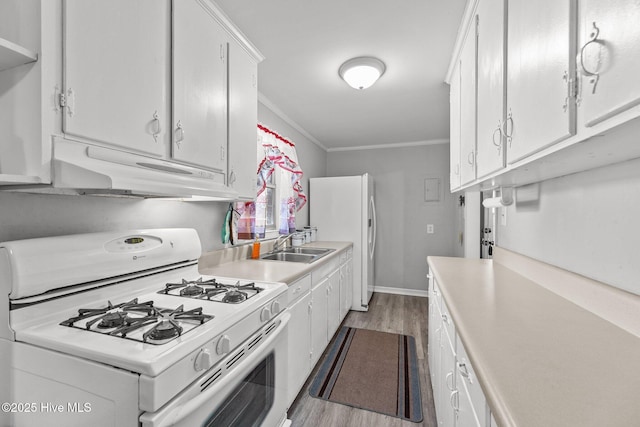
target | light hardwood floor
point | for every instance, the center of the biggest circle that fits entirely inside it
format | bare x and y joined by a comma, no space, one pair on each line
388,313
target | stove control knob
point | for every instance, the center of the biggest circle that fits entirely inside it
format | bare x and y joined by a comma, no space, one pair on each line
203,360
265,315
275,307
224,345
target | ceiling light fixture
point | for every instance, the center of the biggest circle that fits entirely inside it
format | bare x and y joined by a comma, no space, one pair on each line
360,73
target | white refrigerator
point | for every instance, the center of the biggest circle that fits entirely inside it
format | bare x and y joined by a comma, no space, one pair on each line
343,208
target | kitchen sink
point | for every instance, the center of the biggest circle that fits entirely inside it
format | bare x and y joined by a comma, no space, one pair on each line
297,254
308,251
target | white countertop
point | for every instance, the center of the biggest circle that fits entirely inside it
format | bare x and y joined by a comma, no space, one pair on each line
268,270
542,360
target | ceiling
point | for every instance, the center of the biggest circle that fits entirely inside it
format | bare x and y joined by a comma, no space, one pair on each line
305,42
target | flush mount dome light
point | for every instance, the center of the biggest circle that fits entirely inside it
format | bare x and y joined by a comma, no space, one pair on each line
361,73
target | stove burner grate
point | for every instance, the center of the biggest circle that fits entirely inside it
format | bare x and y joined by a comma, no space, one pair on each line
159,325
209,289
234,296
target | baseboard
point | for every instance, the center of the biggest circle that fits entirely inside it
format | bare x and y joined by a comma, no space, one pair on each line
401,291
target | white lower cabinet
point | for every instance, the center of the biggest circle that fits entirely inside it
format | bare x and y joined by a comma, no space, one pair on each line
299,353
346,282
316,304
457,394
333,304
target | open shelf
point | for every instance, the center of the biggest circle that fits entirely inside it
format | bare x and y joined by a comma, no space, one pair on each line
12,55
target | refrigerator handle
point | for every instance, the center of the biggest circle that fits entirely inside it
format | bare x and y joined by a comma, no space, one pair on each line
372,233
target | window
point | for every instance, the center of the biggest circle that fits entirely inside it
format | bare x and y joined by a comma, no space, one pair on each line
279,192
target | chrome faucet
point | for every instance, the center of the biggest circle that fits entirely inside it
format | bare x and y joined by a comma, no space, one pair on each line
281,240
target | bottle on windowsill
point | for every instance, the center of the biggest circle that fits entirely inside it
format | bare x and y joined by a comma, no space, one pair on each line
255,250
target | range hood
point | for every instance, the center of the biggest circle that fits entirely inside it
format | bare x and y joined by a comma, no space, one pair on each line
89,169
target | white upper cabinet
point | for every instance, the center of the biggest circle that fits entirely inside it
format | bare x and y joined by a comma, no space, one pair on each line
30,71
468,108
491,86
608,58
243,118
454,129
199,133
541,64
116,72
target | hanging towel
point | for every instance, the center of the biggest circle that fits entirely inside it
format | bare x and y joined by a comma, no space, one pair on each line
225,233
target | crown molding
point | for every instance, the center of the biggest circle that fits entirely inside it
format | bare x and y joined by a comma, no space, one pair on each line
395,145
271,106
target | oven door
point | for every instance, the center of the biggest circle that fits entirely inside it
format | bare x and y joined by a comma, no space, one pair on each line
248,388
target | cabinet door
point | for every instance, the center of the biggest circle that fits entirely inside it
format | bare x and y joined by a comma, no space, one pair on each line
608,58
243,118
116,72
435,351
199,131
448,392
454,129
468,108
299,346
541,57
464,410
491,94
333,309
319,329
472,397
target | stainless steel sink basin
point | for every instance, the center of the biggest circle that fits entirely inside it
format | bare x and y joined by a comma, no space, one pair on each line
309,251
297,254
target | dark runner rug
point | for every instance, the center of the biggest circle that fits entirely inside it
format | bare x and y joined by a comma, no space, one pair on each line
372,370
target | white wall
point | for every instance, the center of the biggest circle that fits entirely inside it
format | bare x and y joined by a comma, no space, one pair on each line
403,243
24,216
586,223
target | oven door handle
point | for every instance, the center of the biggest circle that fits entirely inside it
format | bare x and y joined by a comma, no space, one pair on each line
182,411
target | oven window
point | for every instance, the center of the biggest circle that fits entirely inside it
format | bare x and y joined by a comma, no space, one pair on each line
250,402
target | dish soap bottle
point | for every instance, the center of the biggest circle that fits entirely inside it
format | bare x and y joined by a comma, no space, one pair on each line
255,250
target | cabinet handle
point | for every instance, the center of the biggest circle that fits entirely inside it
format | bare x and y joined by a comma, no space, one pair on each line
179,133
232,179
462,368
508,134
158,128
446,380
595,75
470,158
454,401
445,319
498,131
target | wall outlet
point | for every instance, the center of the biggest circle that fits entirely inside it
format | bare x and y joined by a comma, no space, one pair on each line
503,216
430,229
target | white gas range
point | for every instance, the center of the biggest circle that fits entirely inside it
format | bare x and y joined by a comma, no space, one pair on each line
121,329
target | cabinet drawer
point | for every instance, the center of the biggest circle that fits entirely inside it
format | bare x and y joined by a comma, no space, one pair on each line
323,271
298,288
